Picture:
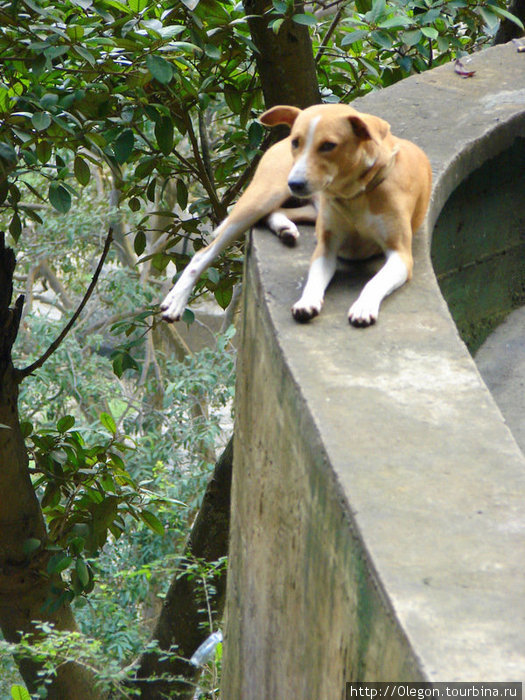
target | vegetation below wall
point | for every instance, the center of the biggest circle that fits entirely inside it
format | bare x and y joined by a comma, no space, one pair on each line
126,131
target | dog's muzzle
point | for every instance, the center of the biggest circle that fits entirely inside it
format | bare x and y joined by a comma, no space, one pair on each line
299,188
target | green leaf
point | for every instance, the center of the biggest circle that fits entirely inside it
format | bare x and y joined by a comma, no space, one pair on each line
75,32
430,32
7,152
15,227
151,189
182,194
123,361
413,37
223,294
152,522
188,316
255,134
82,571
43,151
55,52
383,39
307,20
81,170
59,562
41,121
276,25
108,422
396,21
65,424
140,242
137,6
59,197
353,37
123,146
501,12
145,167
213,51
213,275
134,204
85,54
233,99
18,692
159,68
164,135
377,11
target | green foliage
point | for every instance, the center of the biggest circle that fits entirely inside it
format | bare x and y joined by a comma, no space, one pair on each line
51,648
102,84
87,496
385,42
151,106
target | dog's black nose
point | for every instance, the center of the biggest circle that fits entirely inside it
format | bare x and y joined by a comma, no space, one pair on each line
299,188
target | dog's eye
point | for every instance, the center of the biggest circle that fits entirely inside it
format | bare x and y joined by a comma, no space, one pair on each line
327,146
295,143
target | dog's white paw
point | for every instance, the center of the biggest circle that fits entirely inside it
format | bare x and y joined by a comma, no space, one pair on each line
304,311
173,306
289,235
363,313
283,227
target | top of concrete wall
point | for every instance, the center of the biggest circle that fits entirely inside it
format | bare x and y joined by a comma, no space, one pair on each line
430,474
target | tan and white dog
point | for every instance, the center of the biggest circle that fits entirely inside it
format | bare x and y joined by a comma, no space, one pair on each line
371,192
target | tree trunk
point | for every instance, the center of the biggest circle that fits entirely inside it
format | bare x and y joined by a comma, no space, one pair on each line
183,621
285,61
24,584
507,30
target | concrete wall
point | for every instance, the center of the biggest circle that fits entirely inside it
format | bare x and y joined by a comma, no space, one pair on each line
478,245
378,528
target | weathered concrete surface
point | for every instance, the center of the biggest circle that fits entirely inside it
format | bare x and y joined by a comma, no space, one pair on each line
378,528
501,361
478,245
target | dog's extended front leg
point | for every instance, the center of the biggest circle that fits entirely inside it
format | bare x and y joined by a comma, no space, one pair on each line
394,273
174,304
322,269
267,192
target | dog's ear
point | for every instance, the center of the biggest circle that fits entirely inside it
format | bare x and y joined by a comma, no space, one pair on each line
367,127
281,114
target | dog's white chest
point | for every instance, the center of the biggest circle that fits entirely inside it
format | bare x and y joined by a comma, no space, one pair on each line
347,220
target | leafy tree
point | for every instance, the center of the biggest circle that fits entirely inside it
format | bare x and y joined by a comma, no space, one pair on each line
148,111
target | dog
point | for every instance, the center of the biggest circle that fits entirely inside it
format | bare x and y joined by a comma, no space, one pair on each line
367,190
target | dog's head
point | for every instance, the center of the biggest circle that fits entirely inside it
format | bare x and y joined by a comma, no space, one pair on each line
332,146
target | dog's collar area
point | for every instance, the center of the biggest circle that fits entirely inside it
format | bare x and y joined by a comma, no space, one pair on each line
378,178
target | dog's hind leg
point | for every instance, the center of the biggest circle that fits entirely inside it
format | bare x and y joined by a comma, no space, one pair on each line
281,222
267,191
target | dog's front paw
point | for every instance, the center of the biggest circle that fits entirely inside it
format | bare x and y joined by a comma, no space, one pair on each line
305,312
172,307
363,314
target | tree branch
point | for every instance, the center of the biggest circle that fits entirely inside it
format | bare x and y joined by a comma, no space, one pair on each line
22,373
328,35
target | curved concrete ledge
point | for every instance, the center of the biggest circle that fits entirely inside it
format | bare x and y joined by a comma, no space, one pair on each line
378,529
